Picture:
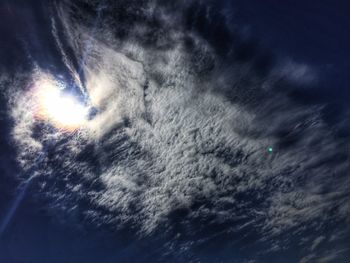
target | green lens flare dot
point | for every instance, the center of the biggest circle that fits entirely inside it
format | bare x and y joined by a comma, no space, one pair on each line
269,149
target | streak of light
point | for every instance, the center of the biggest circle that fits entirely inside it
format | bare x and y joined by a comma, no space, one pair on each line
20,194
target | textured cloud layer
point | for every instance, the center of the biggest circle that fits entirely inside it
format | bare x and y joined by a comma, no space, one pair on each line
186,110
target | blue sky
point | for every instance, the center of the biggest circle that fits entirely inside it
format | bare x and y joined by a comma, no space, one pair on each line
316,34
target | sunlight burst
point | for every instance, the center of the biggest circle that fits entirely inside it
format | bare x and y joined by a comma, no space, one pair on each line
62,110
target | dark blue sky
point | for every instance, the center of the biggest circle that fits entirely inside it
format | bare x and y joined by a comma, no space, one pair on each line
313,32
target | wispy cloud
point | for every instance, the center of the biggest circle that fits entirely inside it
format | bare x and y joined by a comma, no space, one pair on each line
182,128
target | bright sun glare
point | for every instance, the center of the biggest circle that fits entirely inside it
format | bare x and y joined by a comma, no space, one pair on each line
62,110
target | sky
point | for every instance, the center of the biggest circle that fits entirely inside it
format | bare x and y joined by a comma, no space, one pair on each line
310,33
309,44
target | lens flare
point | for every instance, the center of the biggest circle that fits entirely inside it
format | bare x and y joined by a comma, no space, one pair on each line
64,111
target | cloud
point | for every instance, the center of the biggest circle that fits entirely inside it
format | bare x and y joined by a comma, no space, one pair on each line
317,242
179,143
326,256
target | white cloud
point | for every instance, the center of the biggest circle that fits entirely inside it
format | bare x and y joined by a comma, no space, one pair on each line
166,138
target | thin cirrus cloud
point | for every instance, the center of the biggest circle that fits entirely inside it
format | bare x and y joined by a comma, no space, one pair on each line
181,134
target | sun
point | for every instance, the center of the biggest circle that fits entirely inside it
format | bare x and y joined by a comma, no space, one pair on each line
63,111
